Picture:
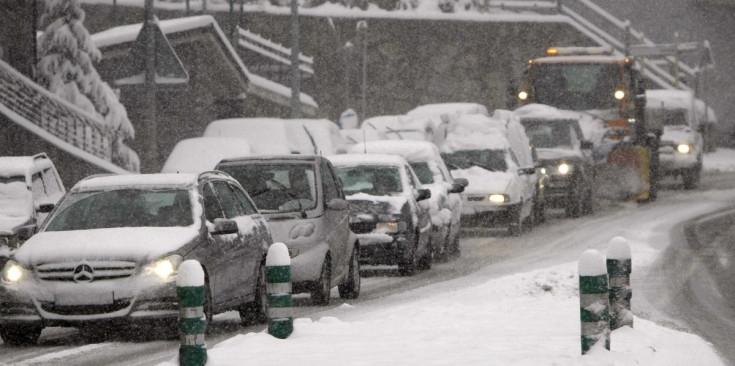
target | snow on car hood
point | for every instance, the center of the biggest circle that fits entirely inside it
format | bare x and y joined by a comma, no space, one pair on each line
364,202
483,181
679,134
8,224
557,154
139,244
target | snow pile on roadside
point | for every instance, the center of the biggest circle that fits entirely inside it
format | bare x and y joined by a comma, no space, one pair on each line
722,160
529,318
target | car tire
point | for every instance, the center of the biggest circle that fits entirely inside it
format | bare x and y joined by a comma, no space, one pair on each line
424,262
321,290
350,289
690,178
587,204
207,306
256,311
20,335
408,268
515,222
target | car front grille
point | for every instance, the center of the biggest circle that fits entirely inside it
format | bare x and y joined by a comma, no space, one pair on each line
99,270
362,227
475,198
85,309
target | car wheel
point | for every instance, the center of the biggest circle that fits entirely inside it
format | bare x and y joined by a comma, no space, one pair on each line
587,207
408,268
574,204
690,177
515,222
256,311
426,259
351,288
321,290
456,251
20,335
207,306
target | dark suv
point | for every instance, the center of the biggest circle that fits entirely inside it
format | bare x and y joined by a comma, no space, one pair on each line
567,158
110,250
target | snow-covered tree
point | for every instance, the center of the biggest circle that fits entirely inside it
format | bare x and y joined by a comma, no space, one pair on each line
66,55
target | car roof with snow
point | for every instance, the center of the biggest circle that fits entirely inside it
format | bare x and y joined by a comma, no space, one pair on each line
148,181
23,165
542,111
270,158
410,150
669,99
367,159
199,154
464,140
449,108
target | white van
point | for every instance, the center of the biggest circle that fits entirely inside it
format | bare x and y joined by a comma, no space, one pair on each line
494,156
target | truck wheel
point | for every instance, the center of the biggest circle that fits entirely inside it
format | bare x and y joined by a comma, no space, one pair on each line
691,178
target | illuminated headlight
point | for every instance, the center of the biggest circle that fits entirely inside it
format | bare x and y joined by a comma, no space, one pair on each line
497,198
564,168
683,148
13,272
543,170
390,227
523,95
164,268
619,94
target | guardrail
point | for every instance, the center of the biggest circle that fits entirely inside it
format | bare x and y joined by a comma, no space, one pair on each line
60,118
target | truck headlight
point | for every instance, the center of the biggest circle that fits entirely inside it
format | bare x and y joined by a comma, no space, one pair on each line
497,198
563,168
523,95
164,268
13,272
683,148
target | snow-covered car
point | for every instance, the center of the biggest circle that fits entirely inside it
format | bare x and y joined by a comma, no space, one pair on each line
109,254
497,194
29,188
403,127
445,203
302,199
388,211
567,158
681,148
199,154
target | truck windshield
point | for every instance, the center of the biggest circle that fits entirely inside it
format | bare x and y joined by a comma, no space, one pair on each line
576,86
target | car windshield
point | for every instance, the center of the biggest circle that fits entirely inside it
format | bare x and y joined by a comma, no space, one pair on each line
549,134
375,180
423,171
123,208
15,198
492,160
281,187
576,86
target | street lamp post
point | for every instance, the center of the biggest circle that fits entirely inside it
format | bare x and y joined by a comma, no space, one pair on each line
362,28
347,53
295,72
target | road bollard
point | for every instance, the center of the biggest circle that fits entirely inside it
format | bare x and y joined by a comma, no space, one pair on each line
593,300
278,288
192,321
619,267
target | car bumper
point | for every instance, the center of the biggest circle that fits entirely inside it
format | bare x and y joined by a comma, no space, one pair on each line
71,304
488,215
383,248
674,163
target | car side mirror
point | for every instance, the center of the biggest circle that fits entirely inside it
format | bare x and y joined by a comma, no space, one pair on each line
224,226
456,188
462,181
586,145
45,207
337,204
526,171
25,232
422,194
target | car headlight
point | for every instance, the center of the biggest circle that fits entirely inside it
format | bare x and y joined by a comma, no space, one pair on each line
390,224
13,272
683,148
563,168
523,95
543,170
164,268
497,198
619,94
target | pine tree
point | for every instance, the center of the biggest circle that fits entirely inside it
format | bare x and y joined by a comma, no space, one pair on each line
66,54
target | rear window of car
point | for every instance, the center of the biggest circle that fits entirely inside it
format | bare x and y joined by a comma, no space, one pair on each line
123,208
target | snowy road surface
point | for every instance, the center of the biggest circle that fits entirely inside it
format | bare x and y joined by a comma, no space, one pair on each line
486,254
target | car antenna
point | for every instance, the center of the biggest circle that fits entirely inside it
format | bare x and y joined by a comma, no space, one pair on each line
364,140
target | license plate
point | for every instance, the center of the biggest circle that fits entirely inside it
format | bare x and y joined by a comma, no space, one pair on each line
84,298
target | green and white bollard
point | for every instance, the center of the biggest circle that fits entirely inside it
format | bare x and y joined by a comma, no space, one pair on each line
278,288
593,300
619,267
192,321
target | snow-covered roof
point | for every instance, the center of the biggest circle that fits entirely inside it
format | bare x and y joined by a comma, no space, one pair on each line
367,159
265,135
257,85
543,111
449,108
199,154
461,140
669,99
137,180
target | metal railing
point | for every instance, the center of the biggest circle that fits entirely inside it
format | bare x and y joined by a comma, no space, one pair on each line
56,116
